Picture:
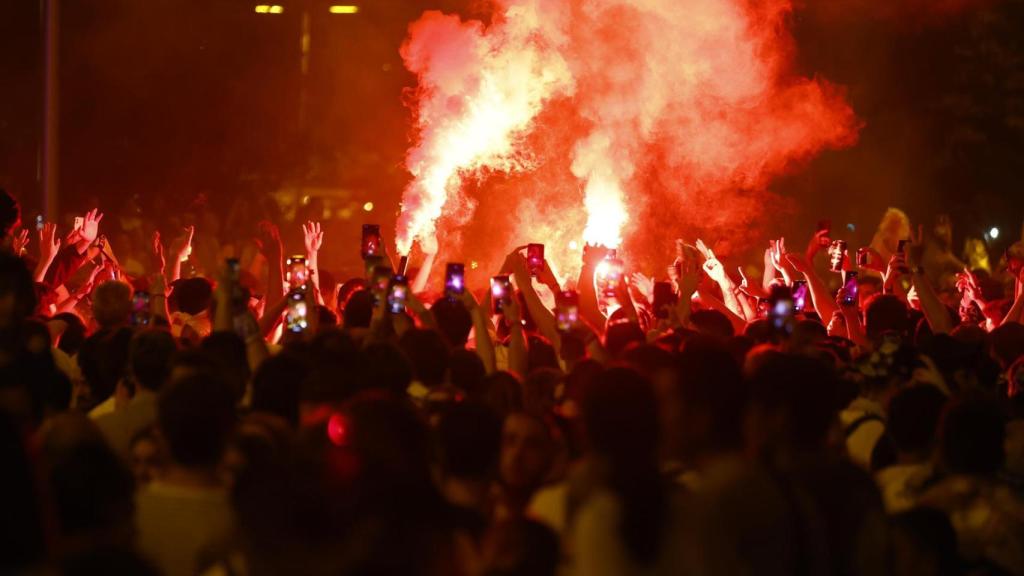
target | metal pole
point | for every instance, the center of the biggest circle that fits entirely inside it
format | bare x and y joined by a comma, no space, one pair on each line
51,108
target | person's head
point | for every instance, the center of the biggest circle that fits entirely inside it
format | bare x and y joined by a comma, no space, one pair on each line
17,291
453,320
227,350
1007,343
193,295
885,313
104,360
10,215
385,367
358,309
539,390
706,407
913,416
74,334
792,401
146,455
275,387
428,353
526,452
149,357
112,303
712,323
971,435
502,393
469,442
620,335
91,487
196,414
466,371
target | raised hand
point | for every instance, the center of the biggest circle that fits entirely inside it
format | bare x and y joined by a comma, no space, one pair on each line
181,248
90,225
797,262
49,242
20,241
269,238
712,266
593,254
643,285
158,251
547,277
314,237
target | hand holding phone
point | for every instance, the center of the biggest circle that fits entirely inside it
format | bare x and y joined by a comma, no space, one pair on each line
398,294
141,315
567,310
849,291
535,259
296,272
837,255
501,293
371,241
800,294
296,316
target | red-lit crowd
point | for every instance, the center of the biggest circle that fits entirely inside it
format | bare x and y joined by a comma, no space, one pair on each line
843,410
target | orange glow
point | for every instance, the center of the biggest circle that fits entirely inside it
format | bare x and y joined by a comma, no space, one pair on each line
368,207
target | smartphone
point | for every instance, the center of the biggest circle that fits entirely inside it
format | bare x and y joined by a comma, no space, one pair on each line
380,281
501,293
863,257
849,291
296,272
837,253
901,247
609,273
535,258
567,310
398,294
296,317
39,222
454,280
371,263
239,296
140,309
403,264
800,294
370,244
664,299
79,222
781,308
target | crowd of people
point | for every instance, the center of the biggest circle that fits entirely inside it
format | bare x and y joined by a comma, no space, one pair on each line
850,412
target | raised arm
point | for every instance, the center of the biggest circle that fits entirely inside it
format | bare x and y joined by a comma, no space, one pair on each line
481,331
313,237
934,311
428,246
181,248
49,246
823,302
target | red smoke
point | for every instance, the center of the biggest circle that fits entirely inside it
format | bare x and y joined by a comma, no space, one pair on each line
572,120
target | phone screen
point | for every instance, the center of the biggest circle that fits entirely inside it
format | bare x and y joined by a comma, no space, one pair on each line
501,292
398,294
297,274
837,255
849,296
370,245
568,310
664,298
454,280
535,258
862,257
800,294
296,316
609,272
140,309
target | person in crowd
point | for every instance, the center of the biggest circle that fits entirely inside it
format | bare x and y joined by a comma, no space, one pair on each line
250,418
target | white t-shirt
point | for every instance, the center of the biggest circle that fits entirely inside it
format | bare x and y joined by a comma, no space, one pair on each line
177,523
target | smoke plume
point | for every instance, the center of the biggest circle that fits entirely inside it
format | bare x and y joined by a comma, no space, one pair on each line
629,112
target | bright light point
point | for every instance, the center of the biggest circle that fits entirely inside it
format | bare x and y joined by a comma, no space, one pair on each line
368,207
275,9
993,233
262,9
574,245
343,9
602,268
474,265
336,429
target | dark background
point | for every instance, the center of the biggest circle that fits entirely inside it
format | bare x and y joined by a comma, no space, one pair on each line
165,99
